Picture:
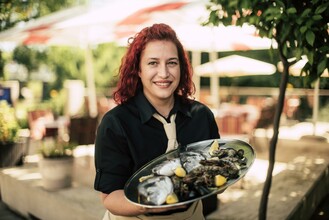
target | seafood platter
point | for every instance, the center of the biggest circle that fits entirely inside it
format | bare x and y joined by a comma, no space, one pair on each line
190,173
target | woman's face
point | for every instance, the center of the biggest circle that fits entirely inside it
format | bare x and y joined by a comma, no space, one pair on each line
159,70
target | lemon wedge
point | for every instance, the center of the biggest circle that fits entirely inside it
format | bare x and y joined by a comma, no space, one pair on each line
180,172
220,180
172,198
214,147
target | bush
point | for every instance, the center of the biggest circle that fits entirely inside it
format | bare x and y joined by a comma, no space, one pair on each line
9,126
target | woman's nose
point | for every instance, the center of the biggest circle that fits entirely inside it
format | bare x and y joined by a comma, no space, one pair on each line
163,71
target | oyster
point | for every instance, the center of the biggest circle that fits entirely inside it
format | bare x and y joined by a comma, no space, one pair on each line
229,154
155,190
181,189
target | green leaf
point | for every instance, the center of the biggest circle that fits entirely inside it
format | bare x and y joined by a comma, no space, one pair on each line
291,10
303,29
310,57
299,20
322,66
285,50
245,4
320,9
298,53
306,12
286,28
309,22
317,17
310,37
280,4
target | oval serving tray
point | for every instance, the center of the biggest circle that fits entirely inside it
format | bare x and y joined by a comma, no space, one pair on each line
130,189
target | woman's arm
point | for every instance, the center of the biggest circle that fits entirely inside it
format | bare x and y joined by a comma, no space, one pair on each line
117,204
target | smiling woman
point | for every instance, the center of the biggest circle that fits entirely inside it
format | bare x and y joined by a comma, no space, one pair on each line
155,79
160,74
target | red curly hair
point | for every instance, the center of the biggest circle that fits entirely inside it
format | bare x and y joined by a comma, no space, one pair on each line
129,82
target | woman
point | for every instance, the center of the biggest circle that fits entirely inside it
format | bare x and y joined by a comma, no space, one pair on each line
155,77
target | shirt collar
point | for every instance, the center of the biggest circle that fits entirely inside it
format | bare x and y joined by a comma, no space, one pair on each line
146,110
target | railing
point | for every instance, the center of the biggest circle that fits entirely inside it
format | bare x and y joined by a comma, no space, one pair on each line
264,91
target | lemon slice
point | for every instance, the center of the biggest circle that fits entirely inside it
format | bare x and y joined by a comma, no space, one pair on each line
214,147
172,198
180,172
220,180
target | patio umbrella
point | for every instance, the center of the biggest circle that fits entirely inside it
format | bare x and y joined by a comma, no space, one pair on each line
88,24
296,70
185,17
231,66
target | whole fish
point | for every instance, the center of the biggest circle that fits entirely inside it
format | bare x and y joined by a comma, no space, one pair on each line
191,160
155,190
167,167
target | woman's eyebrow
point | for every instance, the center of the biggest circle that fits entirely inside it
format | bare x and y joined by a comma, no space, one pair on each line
155,58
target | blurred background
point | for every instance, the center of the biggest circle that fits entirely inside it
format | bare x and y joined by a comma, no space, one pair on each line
59,62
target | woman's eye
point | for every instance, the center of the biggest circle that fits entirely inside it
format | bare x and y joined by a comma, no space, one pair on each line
152,63
172,63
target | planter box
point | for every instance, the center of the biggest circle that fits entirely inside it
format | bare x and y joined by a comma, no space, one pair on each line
56,173
12,154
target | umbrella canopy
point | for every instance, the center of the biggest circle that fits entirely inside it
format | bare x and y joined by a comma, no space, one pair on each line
233,66
186,18
77,26
230,66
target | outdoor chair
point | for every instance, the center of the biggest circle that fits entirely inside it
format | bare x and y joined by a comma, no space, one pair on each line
37,122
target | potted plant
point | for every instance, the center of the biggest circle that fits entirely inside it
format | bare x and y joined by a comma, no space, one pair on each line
56,162
11,148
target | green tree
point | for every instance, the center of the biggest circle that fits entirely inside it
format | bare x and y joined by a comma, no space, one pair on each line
300,27
30,58
107,59
14,11
66,63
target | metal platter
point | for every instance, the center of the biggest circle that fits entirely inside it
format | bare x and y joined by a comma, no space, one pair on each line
130,189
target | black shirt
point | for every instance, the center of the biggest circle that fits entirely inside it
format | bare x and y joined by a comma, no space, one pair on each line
128,137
